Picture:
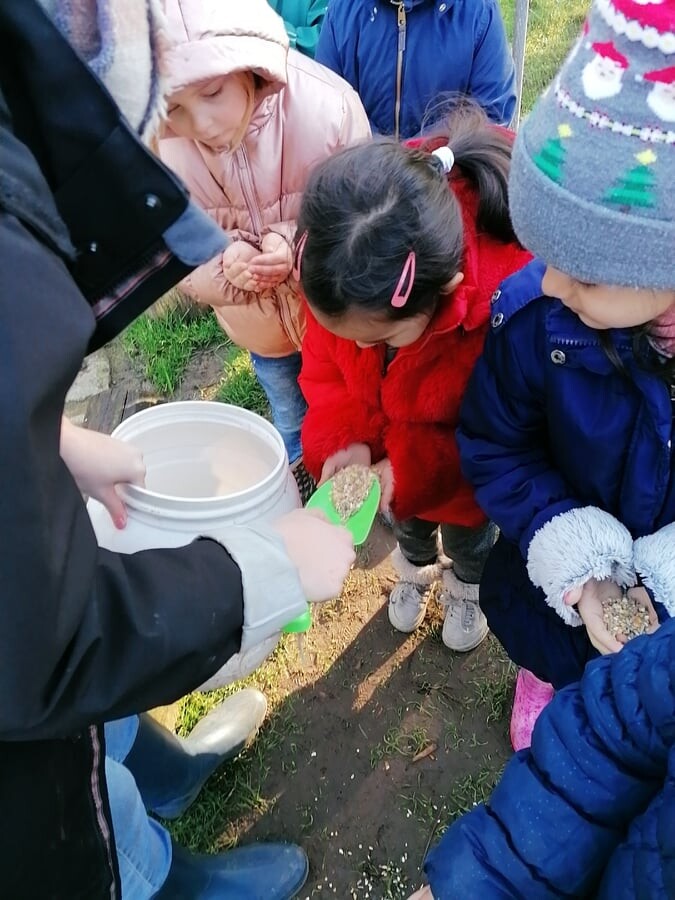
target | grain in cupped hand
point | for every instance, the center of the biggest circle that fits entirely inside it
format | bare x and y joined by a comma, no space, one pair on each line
625,616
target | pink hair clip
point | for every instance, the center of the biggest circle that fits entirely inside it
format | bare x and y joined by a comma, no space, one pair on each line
400,296
299,250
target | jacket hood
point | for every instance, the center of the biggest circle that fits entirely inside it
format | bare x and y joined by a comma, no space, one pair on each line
209,38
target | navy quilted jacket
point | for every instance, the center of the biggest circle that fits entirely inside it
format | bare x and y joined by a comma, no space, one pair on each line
589,810
548,423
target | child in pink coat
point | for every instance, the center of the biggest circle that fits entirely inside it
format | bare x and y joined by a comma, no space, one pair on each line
247,119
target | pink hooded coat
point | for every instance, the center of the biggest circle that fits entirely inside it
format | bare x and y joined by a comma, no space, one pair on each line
302,114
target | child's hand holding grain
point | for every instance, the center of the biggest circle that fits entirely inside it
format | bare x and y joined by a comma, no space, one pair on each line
384,471
353,455
588,599
274,264
236,260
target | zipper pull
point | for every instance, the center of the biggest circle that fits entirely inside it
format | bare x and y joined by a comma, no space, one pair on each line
401,27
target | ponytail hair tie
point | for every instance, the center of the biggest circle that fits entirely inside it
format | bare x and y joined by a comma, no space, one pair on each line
443,159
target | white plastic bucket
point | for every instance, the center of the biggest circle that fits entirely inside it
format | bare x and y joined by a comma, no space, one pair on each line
208,465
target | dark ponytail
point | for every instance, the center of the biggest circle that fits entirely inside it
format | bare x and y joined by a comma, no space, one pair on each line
483,152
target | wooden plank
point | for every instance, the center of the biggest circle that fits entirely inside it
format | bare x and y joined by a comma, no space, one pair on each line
105,411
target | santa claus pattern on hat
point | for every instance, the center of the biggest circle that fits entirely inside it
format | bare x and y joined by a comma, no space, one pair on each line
661,98
652,22
601,77
598,150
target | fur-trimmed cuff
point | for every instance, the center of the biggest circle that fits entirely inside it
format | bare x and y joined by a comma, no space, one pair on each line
574,547
422,576
655,562
273,595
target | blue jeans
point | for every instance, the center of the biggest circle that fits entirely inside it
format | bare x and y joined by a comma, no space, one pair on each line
278,377
143,845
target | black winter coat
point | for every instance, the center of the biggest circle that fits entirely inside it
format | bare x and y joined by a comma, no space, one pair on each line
86,635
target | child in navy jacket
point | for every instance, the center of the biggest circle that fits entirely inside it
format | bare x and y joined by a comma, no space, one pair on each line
567,423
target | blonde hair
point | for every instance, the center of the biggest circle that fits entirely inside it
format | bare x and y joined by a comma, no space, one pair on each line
248,82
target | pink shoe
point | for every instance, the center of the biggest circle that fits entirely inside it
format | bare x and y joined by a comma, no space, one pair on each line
530,698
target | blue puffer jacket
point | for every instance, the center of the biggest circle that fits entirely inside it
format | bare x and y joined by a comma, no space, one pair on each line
589,809
554,437
456,46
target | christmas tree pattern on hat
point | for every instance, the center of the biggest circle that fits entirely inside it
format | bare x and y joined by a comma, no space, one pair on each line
551,157
636,187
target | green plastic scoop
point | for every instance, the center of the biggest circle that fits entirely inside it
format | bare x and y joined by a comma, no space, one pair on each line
359,525
361,522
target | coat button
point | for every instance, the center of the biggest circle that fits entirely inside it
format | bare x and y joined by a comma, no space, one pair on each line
558,357
93,247
442,7
152,201
497,320
497,294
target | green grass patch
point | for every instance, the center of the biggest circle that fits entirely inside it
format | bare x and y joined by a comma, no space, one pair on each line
165,344
551,30
240,385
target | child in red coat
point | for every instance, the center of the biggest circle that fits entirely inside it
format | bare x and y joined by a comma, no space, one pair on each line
398,271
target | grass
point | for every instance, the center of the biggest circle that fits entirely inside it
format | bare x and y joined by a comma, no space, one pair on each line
551,30
240,386
165,344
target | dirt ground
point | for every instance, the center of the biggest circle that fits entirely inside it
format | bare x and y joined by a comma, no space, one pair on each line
374,740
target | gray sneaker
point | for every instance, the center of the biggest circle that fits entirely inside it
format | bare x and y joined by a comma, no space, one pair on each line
407,606
465,625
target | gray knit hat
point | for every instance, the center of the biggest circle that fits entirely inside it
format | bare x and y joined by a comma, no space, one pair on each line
592,187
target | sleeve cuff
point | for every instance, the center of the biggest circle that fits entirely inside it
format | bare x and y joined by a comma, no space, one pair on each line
655,561
574,547
273,594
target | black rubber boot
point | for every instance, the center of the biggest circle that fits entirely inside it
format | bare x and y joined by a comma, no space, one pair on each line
170,771
255,872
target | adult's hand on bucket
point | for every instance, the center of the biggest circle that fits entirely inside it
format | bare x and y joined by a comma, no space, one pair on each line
98,463
322,553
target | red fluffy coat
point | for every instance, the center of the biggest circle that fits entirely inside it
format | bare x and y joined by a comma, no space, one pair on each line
410,414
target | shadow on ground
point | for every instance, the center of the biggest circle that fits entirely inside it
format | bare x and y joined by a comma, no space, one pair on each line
374,742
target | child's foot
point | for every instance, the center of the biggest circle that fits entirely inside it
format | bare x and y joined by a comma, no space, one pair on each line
407,606
465,626
408,599
531,696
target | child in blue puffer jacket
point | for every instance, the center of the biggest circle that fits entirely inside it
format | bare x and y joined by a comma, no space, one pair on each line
588,811
566,427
